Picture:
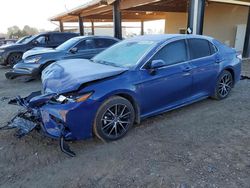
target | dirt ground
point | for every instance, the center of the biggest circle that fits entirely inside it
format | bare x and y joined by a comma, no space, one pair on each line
206,144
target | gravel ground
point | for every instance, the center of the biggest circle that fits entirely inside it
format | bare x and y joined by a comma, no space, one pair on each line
206,144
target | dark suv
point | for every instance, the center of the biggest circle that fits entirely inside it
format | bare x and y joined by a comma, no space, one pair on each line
10,55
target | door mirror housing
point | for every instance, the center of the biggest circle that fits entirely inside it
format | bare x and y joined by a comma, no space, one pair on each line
155,64
73,50
35,42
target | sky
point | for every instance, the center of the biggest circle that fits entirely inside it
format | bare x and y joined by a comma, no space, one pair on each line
34,13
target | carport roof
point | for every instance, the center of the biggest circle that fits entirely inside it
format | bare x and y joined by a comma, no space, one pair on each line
101,10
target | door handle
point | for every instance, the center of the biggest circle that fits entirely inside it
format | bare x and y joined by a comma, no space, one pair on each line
187,69
218,60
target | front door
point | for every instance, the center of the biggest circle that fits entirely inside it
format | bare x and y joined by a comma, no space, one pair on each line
168,86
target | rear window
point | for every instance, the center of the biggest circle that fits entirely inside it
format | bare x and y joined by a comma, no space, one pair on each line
198,48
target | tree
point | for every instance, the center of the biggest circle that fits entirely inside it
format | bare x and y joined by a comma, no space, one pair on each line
16,32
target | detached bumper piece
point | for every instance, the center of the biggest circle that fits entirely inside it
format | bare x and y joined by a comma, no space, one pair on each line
26,121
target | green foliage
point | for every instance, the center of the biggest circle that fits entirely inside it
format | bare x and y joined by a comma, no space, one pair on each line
16,32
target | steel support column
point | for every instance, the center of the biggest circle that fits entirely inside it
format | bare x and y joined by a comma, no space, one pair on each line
196,16
117,19
142,27
61,28
81,27
246,50
93,27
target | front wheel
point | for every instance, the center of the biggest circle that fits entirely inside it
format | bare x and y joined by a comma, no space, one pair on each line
114,118
224,85
14,59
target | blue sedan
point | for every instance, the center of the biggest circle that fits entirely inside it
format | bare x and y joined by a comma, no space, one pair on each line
132,80
36,60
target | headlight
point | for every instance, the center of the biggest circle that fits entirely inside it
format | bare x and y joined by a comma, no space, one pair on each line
73,98
2,51
33,60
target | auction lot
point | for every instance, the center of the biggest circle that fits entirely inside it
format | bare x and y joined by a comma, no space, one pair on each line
206,144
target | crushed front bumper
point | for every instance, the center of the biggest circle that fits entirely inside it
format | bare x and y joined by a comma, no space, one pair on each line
33,118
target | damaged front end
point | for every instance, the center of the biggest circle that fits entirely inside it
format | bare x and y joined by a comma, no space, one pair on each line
32,117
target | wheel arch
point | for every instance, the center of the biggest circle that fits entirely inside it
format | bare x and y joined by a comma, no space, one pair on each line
132,100
230,69
46,64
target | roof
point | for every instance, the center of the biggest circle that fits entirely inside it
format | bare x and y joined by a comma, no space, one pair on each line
163,37
101,10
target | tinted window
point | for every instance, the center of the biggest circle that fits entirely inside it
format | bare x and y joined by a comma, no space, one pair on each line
213,49
198,48
58,37
85,45
42,39
172,53
104,43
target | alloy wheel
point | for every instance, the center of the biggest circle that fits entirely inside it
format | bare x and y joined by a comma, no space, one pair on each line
225,85
116,120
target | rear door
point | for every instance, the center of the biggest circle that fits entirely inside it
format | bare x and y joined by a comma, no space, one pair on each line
205,63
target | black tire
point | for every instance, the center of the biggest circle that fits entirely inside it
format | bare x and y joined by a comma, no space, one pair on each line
14,58
114,118
224,85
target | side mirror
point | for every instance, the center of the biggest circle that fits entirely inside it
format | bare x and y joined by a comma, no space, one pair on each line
73,50
155,64
35,42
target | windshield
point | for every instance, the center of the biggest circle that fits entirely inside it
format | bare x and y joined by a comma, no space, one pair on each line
68,44
22,40
124,54
29,39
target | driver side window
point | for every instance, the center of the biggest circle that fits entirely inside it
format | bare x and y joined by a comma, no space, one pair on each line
42,40
172,53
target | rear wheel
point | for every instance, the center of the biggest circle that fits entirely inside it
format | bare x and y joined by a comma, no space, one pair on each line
114,118
224,85
14,58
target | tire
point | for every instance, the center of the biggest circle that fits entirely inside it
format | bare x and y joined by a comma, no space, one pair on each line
224,85
14,58
114,118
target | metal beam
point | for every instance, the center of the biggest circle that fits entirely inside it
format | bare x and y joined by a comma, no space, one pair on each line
81,27
154,8
246,50
117,19
61,29
196,16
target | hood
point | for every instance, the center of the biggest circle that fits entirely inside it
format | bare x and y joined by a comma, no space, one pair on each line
11,46
38,51
68,75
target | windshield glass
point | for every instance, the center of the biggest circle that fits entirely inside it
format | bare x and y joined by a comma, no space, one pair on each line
22,40
124,54
68,44
29,39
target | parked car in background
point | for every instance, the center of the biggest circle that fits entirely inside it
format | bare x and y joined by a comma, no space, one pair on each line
7,42
34,61
132,80
10,55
